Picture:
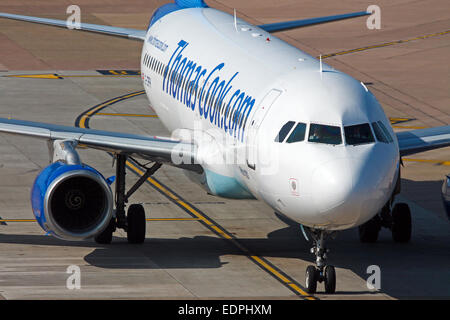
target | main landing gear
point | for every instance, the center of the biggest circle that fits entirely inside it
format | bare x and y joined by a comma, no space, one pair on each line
397,219
134,221
321,272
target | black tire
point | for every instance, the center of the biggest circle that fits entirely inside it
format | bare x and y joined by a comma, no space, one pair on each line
136,224
401,223
311,279
105,237
330,279
368,232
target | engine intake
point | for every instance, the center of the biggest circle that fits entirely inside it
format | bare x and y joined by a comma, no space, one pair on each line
72,202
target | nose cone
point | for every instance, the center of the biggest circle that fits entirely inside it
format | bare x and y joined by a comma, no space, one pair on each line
346,191
333,184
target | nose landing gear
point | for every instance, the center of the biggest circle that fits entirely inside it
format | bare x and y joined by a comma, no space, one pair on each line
321,272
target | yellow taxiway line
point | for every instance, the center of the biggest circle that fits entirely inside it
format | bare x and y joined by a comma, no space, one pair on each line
408,127
224,234
289,282
198,216
437,162
81,122
386,44
126,115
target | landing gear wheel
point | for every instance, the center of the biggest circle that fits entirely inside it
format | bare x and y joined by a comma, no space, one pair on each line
401,223
368,232
311,279
136,224
330,279
321,272
105,237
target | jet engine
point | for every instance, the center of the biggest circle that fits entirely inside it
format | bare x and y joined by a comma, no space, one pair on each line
72,201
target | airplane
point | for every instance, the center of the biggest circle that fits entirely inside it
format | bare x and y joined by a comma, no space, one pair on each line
251,116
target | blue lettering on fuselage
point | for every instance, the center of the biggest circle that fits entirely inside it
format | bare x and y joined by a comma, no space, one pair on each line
182,80
157,43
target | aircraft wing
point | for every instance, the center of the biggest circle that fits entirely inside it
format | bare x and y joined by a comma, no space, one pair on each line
113,31
282,26
140,34
158,149
419,140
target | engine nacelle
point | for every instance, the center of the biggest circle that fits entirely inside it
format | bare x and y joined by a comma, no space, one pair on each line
72,202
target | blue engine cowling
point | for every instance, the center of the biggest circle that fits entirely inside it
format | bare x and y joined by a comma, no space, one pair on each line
71,202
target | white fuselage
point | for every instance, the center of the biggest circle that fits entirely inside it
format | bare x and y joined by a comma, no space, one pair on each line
251,84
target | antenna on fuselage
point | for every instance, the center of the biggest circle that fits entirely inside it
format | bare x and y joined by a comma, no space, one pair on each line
235,20
320,59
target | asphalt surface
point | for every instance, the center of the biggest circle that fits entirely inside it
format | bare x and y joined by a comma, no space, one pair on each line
246,251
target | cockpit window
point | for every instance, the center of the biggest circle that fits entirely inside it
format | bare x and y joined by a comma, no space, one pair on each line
379,133
358,134
298,134
386,132
285,129
324,134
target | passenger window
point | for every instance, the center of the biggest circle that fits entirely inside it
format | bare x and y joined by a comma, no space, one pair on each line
386,132
298,134
358,134
325,134
285,129
379,133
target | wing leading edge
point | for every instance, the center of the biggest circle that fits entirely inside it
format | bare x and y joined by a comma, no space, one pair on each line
287,25
158,149
419,140
140,34
108,30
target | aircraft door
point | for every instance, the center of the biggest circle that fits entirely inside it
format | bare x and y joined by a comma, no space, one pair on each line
258,117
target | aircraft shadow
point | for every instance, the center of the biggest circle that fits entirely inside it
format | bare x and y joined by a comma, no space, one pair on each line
419,269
